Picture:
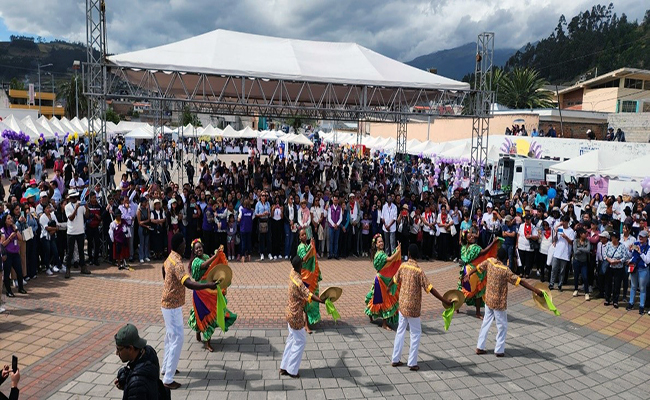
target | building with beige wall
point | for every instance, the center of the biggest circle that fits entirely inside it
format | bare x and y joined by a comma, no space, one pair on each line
625,90
568,124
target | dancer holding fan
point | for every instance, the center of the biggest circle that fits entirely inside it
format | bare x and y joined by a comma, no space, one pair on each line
382,300
204,315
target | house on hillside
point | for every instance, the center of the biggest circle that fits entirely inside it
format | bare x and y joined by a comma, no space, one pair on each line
626,90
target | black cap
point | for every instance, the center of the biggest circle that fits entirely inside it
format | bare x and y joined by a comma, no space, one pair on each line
128,336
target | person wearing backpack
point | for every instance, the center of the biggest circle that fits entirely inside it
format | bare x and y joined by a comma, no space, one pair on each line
139,378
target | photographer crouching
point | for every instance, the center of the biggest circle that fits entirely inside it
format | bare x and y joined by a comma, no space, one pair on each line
139,378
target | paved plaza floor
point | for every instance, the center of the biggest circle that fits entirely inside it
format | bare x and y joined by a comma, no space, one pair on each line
63,332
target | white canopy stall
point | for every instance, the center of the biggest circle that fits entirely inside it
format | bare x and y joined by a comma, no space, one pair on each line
633,170
589,164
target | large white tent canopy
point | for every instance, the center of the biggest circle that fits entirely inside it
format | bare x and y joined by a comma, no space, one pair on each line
229,53
140,133
635,169
590,164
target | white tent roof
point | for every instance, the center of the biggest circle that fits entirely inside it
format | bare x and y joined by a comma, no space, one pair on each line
211,131
461,151
411,144
38,128
76,122
128,126
55,125
18,126
297,139
69,128
635,169
223,52
230,133
140,133
590,164
248,133
45,123
269,135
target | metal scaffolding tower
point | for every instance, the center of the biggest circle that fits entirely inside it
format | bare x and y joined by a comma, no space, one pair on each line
95,90
481,110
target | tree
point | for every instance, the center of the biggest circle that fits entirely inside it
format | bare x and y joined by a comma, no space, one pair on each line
298,121
522,88
188,117
112,116
15,84
70,92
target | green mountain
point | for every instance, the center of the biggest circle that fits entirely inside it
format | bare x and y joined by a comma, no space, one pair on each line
20,57
594,40
457,62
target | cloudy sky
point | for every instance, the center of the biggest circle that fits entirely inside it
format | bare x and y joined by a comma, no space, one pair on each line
402,29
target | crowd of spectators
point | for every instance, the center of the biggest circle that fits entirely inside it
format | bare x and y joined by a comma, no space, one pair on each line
256,207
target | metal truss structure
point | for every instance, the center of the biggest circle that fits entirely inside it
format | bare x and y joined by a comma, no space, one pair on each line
481,110
95,78
242,95
246,96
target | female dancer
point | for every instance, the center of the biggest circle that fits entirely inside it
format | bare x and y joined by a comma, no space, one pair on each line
382,300
199,268
470,254
311,275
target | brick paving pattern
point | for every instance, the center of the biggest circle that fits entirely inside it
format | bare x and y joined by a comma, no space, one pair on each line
63,333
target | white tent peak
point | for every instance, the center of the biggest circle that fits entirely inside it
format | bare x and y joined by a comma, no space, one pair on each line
223,52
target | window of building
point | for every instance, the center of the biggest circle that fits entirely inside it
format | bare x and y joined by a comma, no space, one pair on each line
628,106
633,83
646,85
612,83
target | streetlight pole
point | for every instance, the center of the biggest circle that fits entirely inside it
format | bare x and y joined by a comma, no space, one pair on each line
76,65
40,90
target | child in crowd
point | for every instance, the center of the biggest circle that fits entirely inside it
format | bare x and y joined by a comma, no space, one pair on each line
119,233
232,234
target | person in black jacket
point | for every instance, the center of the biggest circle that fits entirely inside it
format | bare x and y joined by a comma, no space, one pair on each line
139,379
15,377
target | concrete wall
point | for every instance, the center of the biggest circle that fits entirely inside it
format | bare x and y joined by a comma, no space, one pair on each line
635,125
443,130
603,99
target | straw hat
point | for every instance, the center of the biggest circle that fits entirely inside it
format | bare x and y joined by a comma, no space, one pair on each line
540,301
333,293
456,297
221,273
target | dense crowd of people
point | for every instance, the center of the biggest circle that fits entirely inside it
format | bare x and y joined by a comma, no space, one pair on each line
54,222
520,130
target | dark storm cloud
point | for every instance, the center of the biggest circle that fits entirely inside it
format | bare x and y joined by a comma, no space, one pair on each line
400,29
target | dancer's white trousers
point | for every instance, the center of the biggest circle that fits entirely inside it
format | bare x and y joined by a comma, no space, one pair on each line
173,341
293,349
502,328
416,331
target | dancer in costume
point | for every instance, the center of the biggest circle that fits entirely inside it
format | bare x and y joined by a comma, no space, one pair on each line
297,338
173,298
205,302
471,255
311,275
496,298
382,299
413,281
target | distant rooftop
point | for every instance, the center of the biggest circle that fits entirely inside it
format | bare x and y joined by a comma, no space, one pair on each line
619,73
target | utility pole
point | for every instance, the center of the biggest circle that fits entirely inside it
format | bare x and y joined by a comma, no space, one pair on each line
76,65
40,90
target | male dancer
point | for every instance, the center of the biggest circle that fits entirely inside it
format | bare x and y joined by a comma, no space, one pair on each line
176,280
496,299
297,339
413,280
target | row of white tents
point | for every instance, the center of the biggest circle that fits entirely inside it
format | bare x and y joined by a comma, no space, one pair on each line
136,130
58,128
414,147
50,128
